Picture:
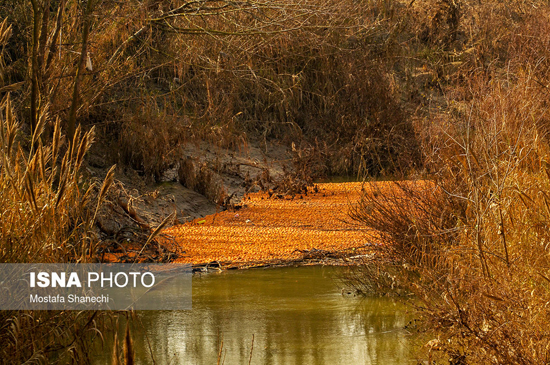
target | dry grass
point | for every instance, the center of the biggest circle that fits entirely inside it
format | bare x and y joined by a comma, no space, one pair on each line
473,245
47,215
221,71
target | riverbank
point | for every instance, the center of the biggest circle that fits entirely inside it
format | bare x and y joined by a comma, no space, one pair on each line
299,226
308,226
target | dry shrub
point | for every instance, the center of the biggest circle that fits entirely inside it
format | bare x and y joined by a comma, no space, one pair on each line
218,71
415,220
332,91
331,75
149,139
472,244
47,215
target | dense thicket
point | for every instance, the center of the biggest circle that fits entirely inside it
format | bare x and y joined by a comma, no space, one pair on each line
322,74
471,242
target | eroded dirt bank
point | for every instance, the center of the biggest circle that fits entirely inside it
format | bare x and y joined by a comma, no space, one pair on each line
196,187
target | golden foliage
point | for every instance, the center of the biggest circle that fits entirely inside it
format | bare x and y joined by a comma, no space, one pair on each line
271,228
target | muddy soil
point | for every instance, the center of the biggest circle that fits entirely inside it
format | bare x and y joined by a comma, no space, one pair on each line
135,202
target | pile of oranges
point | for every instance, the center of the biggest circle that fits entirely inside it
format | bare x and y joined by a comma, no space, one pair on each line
275,228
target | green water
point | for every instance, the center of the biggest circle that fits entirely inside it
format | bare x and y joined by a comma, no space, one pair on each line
297,316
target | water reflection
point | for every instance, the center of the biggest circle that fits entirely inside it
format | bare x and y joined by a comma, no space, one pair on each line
297,316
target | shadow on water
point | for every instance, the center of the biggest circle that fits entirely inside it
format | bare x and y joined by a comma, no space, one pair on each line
296,315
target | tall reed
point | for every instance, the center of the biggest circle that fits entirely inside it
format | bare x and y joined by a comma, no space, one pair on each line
46,216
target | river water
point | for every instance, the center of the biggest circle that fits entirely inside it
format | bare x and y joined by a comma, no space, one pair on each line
293,315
